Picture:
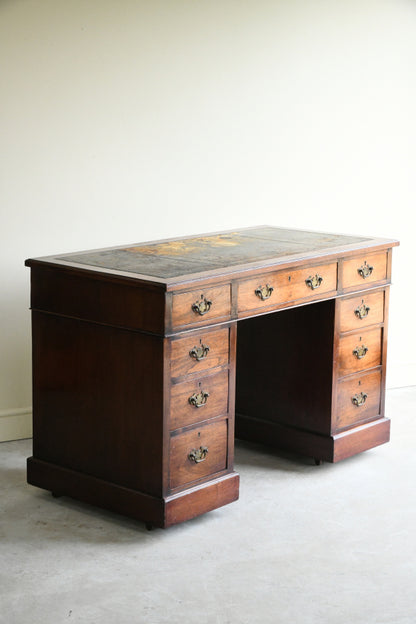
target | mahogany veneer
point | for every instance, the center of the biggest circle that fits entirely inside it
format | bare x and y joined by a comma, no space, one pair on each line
136,355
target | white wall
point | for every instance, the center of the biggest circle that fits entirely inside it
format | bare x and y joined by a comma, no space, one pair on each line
124,121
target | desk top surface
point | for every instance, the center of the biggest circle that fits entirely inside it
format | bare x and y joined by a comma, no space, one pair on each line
171,259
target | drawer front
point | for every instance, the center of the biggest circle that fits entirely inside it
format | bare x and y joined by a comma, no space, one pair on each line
201,306
280,287
359,351
358,312
199,352
364,390
198,453
190,404
363,271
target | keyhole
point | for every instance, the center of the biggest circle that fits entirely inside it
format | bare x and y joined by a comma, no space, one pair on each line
360,338
289,278
359,383
199,434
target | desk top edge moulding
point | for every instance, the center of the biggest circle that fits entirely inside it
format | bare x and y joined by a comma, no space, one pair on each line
150,358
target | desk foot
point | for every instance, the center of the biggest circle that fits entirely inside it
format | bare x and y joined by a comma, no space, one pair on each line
152,510
56,495
318,462
329,448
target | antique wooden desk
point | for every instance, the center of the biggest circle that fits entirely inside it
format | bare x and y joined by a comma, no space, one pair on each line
143,356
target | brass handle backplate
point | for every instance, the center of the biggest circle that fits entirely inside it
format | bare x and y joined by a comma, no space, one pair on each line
199,399
202,306
365,270
360,352
264,292
314,281
362,310
359,399
198,455
199,353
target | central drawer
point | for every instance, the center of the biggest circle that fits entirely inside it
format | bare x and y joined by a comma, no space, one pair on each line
198,400
280,287
198,453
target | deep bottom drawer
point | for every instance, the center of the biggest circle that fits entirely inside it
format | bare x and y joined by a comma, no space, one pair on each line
198,453
358,399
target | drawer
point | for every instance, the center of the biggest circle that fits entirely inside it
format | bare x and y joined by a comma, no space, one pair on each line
281,287
362,271
359,351
185,397
199,352
358,399
201,306
198,453
358,312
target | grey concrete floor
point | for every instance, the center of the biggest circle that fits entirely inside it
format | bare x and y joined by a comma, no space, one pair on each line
333,544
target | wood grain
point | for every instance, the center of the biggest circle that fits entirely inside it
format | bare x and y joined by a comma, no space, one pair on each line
351,277
287,286
181,362
200,499
349,414
347,306
348,362
182,413
183,314
92,298
182,469
98,401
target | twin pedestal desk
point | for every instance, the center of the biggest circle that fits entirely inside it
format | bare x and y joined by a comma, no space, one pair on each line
149,359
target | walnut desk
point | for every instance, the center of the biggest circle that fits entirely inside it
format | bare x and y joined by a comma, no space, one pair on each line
143,357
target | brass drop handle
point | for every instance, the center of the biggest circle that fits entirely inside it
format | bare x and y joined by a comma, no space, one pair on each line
202,306
362,310
198,455
360,352
199,399
264,292
314,281
199,353
359,399
365,270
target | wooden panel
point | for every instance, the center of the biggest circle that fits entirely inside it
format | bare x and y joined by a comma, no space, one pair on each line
183,314
217,342
348,361
212,436
287,286
182,413
98,401
349,320
95,299
350,270
349,414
